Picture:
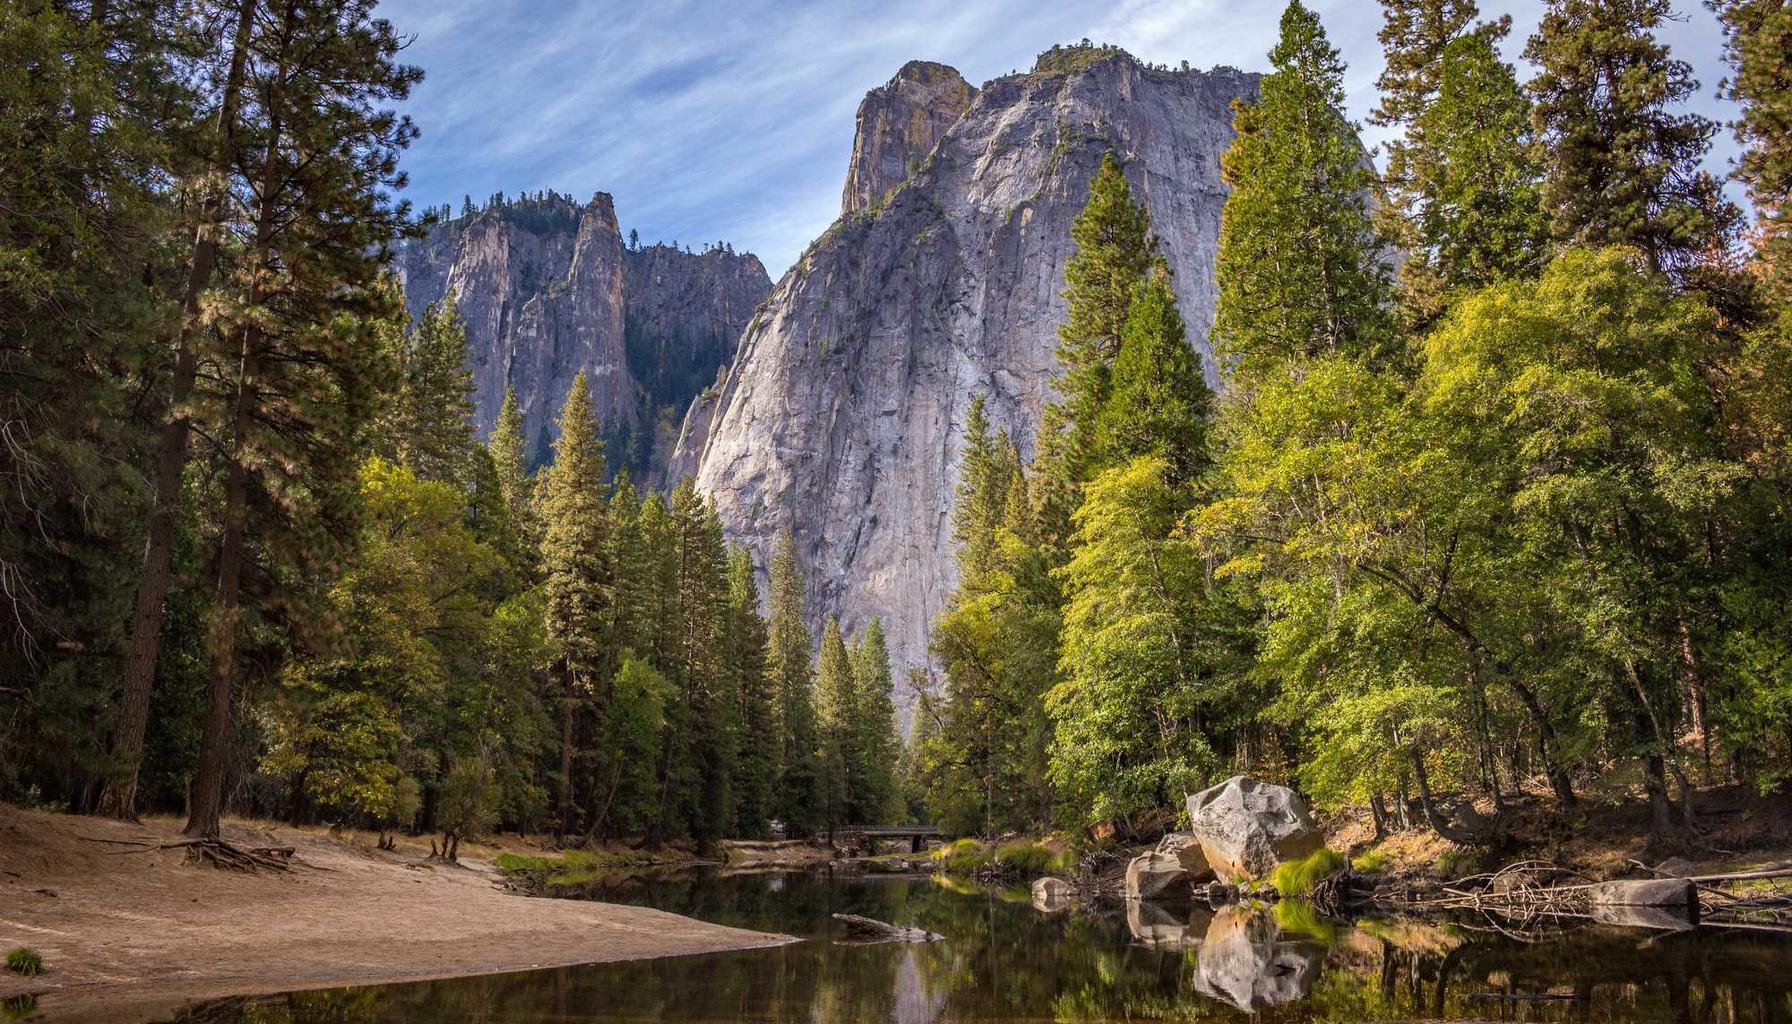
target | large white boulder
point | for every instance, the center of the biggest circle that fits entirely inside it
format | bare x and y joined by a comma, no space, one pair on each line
1247,827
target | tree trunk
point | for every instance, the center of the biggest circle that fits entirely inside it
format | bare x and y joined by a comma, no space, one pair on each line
214,743
1426,804
566,762
1379,815
119,799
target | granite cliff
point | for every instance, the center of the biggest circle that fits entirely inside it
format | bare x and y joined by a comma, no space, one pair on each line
842,416
548,288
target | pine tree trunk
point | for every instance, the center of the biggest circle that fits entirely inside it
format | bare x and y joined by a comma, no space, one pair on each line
214,742
119,798
566,763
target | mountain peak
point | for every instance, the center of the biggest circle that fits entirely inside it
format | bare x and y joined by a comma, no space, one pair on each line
899,123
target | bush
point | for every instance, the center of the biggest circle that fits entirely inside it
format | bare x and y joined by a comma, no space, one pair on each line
1298,877
962,856
25,960
1032,859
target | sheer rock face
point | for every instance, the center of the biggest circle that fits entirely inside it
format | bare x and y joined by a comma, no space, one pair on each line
899,123
842,418
548,289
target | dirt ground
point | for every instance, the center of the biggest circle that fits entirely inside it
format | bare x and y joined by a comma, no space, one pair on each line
129,933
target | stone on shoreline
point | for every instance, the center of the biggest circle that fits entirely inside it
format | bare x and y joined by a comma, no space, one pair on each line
1247,827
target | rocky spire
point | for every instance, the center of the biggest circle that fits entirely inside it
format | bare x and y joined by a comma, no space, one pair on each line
899,123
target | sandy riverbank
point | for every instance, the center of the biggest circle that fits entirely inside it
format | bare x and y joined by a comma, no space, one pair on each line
129,934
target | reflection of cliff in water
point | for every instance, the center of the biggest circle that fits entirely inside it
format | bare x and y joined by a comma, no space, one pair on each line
1002,960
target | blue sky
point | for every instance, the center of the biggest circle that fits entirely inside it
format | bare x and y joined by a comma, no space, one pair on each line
732,120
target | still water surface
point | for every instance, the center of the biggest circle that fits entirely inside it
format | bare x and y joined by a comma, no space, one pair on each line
1003,960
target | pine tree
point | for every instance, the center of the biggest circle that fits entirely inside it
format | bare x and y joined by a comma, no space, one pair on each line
1159,401
698,758
1414,35
579,578
788,653
1114,248
1299,269
304,369
216,153
1480,214
1138,651
516,488
745,643
429,426
1758,37
836,715
1621,167
879,747
982,487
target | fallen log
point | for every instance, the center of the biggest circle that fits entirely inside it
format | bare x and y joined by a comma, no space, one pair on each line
868,928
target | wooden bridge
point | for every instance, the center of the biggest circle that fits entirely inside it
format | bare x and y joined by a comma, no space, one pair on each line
917,835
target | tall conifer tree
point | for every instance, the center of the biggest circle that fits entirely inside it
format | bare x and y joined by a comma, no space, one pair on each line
1758,34
789,651
1299,271
745,637
836,715
1622,165
579,578
303,371
879,747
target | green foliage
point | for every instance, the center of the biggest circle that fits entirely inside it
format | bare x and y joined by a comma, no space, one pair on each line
872,795
1758,37
1300,273
1137,647
1114,249
963,856
1297,878
1478,214
428,423
1622,164
788,668
1158,400
25,960
1031,860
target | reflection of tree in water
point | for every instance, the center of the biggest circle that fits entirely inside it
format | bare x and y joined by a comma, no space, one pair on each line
1003,960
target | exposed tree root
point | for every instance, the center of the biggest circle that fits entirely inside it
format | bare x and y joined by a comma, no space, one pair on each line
214,851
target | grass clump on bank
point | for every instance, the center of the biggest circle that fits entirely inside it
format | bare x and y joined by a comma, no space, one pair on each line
1020,858
1373,862
26,961
1033,859
962,856
1296,878
573,867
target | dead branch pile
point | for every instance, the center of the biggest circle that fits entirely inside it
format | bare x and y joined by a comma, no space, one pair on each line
1525,890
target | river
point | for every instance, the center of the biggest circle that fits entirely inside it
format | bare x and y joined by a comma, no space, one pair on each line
1003,960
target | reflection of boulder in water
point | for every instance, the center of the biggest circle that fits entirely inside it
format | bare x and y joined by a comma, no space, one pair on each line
1051,895
1158,927
1245,962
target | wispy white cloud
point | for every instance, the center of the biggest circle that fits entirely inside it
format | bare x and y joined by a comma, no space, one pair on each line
733,119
